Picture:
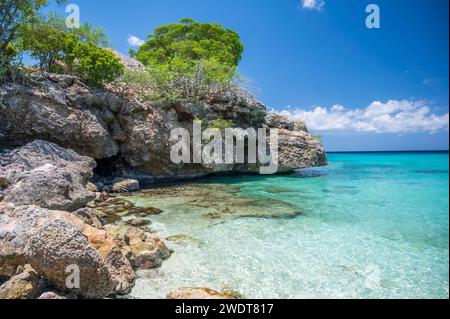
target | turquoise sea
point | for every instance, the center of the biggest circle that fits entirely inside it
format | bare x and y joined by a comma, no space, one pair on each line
369,225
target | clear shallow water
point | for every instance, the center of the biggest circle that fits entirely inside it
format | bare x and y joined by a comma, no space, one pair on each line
373,226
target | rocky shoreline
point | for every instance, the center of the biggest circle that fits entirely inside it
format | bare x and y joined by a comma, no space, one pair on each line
52,216
68,150
38,240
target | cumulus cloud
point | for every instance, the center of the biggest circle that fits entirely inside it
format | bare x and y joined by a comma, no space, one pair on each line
313,4
135,41
391,117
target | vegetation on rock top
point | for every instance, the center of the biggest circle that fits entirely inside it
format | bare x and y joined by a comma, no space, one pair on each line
185,60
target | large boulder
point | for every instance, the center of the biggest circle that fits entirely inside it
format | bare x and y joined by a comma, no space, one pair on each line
44,174
297,148
300,150
53,241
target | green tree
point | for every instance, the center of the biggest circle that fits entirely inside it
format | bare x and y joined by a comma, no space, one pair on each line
47,45
86,32
189,59
191,41
62,52
16,13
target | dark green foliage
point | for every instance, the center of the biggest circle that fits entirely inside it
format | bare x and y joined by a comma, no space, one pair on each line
189,60
59,51
9,62
15,14
191,41
95,64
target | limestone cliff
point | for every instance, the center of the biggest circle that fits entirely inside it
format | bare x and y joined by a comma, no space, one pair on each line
128,136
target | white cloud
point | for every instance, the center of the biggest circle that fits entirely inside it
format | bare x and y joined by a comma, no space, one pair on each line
313,4
391,117
135,41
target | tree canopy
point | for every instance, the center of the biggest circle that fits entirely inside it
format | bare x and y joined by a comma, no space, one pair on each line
75,51
16,13
86,32
191,41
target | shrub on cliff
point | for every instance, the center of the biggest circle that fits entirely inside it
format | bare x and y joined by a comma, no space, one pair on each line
59,51
46,44
10,63
181,81
188,60
95,64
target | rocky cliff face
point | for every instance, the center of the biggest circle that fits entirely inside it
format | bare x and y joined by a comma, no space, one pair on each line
129,137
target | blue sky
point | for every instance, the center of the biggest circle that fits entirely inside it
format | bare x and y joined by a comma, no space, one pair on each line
315,60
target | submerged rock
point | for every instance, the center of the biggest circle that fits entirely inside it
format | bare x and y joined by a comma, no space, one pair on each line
147,251
51,241
145,211
184,239
138,222
199,293
217,202
125,186
278,190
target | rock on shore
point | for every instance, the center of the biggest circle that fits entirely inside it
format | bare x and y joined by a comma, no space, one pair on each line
46,175
51,241
24,285
42,184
